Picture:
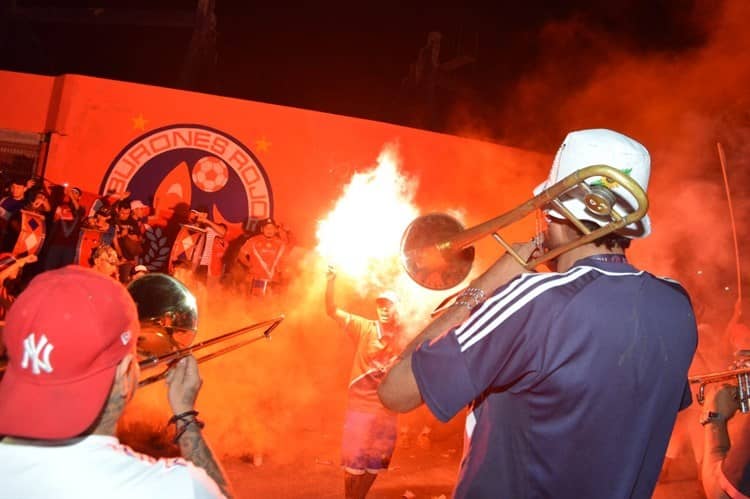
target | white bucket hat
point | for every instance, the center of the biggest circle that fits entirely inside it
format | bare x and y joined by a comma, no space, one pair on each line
602,147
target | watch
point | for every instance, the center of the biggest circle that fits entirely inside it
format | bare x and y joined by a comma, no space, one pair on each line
711,417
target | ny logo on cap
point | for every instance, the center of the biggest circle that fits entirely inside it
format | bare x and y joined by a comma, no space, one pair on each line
37,354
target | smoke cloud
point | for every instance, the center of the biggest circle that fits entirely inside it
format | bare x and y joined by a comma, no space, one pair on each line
285,397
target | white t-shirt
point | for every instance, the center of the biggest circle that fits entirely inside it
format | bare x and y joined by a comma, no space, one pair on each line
97,466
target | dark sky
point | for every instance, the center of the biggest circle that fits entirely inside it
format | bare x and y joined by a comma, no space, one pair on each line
346,60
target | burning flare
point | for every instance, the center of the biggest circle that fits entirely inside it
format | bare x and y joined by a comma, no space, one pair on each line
361,236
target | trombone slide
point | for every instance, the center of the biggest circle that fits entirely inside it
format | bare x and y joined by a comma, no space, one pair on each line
170,358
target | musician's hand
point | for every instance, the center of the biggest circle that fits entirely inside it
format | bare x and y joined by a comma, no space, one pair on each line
724,400
184,382
30,259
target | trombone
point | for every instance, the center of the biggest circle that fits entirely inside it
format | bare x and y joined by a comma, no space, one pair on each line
740,375
168,314
172,357
436,250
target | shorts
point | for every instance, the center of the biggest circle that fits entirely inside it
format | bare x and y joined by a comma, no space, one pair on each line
369,441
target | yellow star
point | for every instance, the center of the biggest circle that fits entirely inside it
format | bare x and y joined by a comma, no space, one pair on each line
262,144
139,122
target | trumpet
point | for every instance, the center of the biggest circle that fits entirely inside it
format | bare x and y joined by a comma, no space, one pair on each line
740,375
168,314
436,250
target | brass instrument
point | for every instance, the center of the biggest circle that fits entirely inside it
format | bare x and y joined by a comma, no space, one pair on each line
172,357
168,314
740,375
436,250
167,311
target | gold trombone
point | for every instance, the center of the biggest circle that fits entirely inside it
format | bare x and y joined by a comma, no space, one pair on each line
172,357
168,314
436,250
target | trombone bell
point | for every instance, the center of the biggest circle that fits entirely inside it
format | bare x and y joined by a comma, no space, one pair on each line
425,261
168,314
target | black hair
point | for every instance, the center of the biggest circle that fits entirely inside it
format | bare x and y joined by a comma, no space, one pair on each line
611,241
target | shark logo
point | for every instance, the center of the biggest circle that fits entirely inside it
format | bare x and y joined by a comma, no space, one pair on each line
182,167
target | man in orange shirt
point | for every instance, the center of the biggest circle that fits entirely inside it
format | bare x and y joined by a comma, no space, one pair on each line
262,256
369,436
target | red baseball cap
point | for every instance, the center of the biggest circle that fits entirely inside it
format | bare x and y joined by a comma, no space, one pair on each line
65,335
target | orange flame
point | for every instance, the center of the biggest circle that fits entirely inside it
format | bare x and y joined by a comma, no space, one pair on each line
361,236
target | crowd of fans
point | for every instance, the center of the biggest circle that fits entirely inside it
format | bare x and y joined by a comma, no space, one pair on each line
251,262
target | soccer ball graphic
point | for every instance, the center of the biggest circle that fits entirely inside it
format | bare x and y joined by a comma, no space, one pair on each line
210,174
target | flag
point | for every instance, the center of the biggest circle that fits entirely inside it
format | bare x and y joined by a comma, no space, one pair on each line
32,234
88,240
188,240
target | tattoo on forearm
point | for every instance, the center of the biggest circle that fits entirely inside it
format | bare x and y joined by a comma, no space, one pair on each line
195,449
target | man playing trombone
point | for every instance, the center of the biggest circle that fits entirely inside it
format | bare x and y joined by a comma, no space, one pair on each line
573,378
72,368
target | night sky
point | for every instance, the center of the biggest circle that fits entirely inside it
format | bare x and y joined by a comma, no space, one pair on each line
356,61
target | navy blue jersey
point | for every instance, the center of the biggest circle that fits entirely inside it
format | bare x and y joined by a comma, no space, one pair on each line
736,466
573,382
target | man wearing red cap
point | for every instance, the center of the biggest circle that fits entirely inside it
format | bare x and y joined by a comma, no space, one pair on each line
369,428
72,368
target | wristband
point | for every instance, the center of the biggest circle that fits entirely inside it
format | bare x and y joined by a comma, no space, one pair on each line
182,416
186,418
470,298
200,424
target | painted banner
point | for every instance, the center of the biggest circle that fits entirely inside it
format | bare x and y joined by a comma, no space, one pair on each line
243,161
188,240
